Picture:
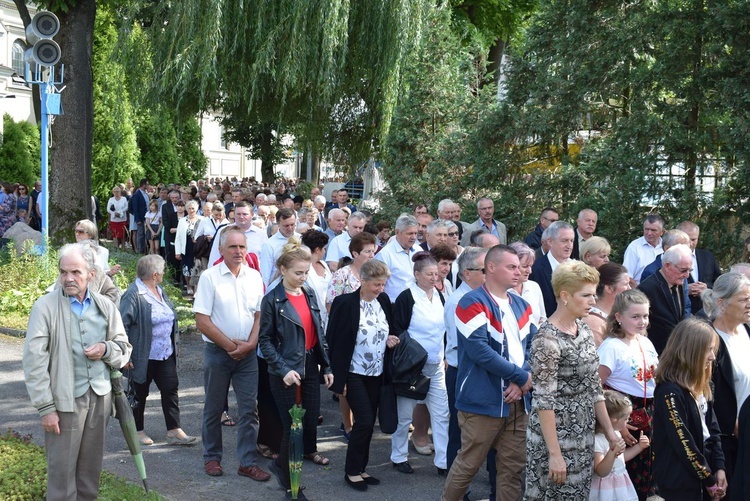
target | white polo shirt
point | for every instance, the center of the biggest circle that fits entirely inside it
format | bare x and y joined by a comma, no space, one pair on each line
270,252
254,237
339,247
638,255
230,301
399,262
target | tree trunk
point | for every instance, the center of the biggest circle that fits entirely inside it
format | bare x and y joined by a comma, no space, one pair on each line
72,132
266,154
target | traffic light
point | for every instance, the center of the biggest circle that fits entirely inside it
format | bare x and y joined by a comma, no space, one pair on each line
43,50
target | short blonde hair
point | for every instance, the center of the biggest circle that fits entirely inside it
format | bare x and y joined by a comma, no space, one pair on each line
571,276
89,227
594,245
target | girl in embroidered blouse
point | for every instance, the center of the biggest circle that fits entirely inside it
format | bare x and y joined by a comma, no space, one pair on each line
627,362
688,460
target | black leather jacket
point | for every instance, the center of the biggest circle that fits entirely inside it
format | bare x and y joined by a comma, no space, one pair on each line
282,337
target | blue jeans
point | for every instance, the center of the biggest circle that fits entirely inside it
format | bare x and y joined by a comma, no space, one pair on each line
219,369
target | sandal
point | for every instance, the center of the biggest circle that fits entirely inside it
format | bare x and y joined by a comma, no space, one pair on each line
266,452
226,420
316,458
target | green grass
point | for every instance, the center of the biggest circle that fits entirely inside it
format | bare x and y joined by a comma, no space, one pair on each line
23,279
24,474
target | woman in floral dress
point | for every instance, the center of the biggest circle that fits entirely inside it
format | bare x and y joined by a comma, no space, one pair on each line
567,393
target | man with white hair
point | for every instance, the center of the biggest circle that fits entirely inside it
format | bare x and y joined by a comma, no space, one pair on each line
397,255
335,224
585,228
665,293
339,246
75,337
320,204
445,209
560,236
705,267
435,234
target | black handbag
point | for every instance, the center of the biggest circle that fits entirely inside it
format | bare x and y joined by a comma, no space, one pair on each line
416,389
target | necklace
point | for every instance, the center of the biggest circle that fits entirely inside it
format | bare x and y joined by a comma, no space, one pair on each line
294,292
567,330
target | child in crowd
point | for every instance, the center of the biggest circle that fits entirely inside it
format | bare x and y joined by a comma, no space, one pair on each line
153,226
610,481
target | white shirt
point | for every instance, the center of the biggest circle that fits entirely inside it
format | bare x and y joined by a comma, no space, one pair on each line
319,286
552,261
230,301
102,258
449,315
638,255
270,252
533,295
625,362
208,226
339,247
738,347
511,331
694,273
254,236
399,262
427,325
119,206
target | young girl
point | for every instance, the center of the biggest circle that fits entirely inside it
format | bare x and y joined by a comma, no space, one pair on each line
153,226
688,460
610,481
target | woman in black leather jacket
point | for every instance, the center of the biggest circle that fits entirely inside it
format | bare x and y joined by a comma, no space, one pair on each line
294,346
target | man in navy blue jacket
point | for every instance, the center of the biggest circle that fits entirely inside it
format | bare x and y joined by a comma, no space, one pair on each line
494,378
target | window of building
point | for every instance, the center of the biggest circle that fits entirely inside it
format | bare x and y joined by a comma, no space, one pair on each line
19,65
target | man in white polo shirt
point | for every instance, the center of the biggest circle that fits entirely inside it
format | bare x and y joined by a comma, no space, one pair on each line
339,246
397,255
642,251
227,312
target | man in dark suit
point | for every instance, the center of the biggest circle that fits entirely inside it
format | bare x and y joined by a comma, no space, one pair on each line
665,294
548,216
138,205
560,236
169,222
585,228
705,268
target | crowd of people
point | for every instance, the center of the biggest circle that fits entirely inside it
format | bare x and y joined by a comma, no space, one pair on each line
569,376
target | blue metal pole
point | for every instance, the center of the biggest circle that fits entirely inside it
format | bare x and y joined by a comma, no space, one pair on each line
43,89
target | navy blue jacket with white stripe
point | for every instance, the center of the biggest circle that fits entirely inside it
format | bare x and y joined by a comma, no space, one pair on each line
484,369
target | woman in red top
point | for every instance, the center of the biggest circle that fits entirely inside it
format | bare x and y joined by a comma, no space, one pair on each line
294,346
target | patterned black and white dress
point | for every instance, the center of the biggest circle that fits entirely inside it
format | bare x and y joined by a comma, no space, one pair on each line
565,380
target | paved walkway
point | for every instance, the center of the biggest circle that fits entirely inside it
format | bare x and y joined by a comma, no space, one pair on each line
177,472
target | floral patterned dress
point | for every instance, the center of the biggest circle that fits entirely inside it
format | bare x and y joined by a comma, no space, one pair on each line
565,380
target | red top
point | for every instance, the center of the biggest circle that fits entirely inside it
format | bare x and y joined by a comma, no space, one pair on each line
303,310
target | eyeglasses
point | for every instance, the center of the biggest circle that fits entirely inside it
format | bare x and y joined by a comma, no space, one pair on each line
475,269
684,270
550,220
80,231
453,234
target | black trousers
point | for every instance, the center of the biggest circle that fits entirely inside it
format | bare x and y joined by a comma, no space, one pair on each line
362,393
285,397
164,374
271,430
